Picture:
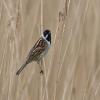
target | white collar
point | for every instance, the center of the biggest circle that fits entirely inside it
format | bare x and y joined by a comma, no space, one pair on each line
46,39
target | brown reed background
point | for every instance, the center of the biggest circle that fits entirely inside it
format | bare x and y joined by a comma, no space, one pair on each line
72,66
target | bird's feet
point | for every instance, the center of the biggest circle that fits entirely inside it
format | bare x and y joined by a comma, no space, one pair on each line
41,72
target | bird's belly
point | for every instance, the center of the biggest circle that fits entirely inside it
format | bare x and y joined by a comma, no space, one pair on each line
43,54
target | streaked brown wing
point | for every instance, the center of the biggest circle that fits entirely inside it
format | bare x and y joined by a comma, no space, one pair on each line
39,43
37,50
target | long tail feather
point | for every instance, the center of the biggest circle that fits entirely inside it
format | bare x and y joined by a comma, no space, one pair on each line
21,68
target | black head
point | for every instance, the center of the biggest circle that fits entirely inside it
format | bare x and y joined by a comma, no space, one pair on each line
47,35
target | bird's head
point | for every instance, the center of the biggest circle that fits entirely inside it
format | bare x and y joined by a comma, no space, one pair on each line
47,35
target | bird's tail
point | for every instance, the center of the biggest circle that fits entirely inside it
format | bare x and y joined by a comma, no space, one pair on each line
21,68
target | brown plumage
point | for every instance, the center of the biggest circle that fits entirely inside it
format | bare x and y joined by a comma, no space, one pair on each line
37,52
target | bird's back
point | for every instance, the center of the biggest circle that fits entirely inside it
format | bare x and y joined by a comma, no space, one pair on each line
38,50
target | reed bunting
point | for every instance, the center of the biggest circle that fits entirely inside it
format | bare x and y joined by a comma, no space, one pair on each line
38,51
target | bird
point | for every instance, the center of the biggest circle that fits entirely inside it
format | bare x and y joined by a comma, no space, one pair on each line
38,51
